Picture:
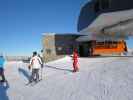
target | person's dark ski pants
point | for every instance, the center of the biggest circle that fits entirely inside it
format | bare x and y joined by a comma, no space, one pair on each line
34,75
2,75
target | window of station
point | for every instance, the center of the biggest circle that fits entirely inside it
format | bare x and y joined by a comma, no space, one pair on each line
97,7
106,44
104,4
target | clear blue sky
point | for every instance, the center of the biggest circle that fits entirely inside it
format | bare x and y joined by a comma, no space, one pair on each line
22,22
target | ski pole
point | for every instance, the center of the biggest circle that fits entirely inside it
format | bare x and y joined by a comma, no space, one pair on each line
41,72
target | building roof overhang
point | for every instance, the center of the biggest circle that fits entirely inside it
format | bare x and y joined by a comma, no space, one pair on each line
107,26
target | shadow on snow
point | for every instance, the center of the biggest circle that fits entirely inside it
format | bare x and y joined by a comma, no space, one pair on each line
62,69
24,72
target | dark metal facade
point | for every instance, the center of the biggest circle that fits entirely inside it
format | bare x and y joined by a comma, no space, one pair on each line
92,9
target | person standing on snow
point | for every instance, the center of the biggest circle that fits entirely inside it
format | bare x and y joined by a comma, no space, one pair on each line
42,65
2,61
75,61
35,65
41,60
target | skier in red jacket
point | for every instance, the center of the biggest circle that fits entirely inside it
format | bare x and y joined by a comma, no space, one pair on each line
75,61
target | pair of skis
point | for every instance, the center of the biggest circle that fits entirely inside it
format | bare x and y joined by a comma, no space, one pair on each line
33,83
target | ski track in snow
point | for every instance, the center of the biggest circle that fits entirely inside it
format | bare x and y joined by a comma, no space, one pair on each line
98,79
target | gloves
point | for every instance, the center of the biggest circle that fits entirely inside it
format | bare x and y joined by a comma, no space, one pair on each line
29,67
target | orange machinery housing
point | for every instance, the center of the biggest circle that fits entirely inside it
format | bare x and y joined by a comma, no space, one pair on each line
108,47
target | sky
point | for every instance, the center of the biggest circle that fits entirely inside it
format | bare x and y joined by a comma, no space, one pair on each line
22,23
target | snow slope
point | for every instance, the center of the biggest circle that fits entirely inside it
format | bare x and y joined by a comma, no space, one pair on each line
98,79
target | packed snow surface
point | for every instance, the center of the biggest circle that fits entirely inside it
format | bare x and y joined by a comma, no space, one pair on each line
107,78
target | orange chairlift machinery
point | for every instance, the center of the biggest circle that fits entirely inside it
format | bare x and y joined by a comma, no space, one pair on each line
109,47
